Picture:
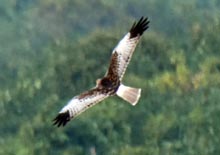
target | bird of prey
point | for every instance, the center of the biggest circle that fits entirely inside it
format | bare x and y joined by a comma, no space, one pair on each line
110,84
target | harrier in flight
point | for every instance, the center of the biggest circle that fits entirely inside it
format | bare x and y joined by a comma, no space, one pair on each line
110,84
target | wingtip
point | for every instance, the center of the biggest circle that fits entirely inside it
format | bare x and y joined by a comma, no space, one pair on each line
139,27
61,119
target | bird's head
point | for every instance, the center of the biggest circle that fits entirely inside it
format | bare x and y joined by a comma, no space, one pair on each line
104,82
98,82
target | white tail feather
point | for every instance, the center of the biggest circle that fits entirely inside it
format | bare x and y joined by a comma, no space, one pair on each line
129,94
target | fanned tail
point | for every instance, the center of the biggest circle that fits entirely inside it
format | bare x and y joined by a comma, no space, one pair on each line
129,94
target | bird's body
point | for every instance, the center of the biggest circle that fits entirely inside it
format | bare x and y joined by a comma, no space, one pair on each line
110,84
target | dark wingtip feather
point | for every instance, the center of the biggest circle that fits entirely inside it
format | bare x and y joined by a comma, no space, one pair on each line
139,27
61,119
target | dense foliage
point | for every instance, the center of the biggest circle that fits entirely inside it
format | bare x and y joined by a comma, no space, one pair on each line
51,50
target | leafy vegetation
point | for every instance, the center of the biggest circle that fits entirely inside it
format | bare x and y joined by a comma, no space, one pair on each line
53,50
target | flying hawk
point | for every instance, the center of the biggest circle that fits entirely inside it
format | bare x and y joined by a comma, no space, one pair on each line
110,84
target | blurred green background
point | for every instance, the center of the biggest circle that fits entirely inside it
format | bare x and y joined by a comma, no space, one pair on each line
52,50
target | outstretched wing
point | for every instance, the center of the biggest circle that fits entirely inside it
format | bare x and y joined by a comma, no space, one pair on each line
122,53
79,104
